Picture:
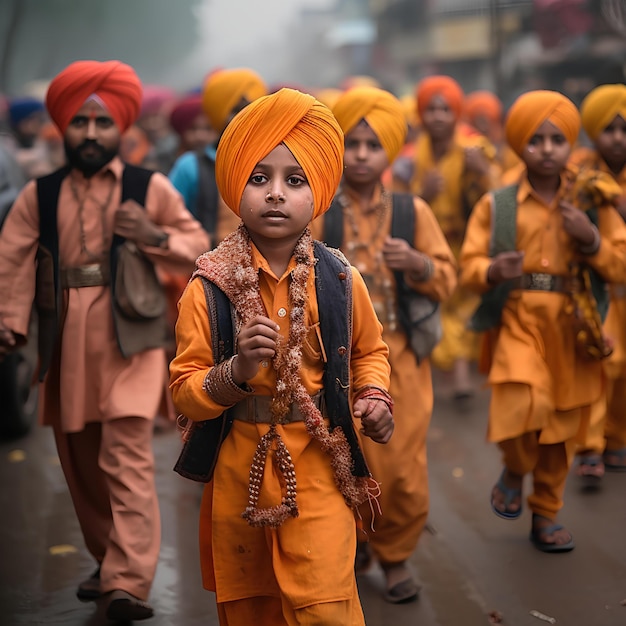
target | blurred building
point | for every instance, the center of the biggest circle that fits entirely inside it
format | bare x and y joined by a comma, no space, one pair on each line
506,45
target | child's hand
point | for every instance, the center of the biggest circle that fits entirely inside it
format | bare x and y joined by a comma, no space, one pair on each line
256,342
476,161
505,266
577,224
376,419
433,185
401,257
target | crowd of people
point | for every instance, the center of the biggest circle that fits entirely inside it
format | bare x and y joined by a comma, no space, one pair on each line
281,269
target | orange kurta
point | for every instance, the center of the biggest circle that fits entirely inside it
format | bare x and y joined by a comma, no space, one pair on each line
451,208
535,346
400,466
95,383
612,421
239,561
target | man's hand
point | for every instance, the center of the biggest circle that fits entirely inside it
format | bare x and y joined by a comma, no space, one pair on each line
132,222
7,340
256,343
376,419
505,266
576,224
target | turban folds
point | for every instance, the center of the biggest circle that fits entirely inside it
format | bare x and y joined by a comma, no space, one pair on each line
185,112
298,120
381,110
113,82
600,108
443,86
224,89
532,109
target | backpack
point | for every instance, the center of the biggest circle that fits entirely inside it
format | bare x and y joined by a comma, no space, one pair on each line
420,317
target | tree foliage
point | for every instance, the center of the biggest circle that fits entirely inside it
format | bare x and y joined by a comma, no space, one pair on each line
38,38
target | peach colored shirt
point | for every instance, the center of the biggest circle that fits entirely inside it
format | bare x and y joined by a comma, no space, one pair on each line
92,381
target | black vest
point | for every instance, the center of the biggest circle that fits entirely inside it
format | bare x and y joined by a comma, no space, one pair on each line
333,283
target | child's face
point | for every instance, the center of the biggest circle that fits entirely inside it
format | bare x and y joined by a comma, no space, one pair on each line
277,202
547,152
438,119
611,143
364,159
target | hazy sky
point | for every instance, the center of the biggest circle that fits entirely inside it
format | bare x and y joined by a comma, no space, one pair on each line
250,33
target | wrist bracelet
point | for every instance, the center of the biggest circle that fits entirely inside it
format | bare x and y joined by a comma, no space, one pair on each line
426,273
370,392
221,387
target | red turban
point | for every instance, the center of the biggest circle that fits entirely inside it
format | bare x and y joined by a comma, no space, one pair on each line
532,109
185,112
381,110
444,86
298,120
113,82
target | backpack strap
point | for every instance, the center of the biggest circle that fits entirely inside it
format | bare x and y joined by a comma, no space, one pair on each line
332,233
199,455
208,195
503,239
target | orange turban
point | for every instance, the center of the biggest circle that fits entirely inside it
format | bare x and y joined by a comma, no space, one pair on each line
380,109
298,120
484,103
224,89
533,108
114,83
444,86
328,96
601,106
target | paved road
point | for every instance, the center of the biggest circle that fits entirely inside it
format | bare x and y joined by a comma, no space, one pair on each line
469,562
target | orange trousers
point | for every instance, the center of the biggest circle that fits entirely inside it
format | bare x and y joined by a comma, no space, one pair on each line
271,611
109,469
549,465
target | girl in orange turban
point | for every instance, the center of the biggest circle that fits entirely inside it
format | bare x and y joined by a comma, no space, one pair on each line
603,114
267,528
544,388
374,123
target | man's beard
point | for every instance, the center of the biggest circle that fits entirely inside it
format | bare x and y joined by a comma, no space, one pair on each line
92,164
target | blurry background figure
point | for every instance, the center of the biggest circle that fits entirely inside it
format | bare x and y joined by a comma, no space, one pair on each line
192,126
154,122
27,117
328,96
136,149
52,141
484,112
358,81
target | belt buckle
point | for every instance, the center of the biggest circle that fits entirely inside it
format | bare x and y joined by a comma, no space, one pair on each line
541,282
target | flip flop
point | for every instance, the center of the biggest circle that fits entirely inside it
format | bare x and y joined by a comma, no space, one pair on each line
544,546
590,469
509,495
404,591
615,467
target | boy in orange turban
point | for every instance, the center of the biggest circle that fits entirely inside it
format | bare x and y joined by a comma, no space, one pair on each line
452,170
104,375
278,539
603,114
543,387
374,124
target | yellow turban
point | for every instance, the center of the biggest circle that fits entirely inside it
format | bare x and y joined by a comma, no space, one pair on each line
532,109
224,89
298,120
601,106
381,110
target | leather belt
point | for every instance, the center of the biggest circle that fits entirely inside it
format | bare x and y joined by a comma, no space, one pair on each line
544,282
256,410
94,275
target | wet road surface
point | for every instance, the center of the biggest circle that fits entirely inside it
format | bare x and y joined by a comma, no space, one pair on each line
469,562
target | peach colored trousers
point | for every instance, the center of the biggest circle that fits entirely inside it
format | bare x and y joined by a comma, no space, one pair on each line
109,469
